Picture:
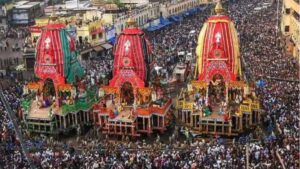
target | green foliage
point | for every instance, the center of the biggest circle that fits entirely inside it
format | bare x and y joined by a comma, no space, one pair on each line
118,3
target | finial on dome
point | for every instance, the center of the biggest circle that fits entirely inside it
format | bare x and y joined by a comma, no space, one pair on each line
130,22
53,17
219,8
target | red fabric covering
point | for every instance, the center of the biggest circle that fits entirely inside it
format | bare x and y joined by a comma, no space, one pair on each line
218,43
126,76
130,52
49,55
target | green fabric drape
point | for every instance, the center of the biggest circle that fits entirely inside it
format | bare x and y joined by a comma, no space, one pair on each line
72,67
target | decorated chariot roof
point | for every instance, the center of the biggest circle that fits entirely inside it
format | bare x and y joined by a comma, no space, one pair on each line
218,48
131,53
56,56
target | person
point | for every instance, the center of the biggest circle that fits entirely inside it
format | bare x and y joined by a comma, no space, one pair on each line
7,43
279,100
1,46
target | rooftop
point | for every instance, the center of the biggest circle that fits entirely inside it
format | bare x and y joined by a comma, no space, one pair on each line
26,4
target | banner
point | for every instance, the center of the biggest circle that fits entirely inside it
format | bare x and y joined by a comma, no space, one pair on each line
110,33
72,31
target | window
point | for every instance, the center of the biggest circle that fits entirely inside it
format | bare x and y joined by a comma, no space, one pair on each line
100,35
287,10
287,28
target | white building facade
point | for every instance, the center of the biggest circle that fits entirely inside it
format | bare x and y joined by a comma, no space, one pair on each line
149,13
142,15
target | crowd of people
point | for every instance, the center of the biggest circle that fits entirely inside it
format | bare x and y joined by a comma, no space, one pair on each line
172,44
11,45
263,59
266,60
10,148
7,36
98,69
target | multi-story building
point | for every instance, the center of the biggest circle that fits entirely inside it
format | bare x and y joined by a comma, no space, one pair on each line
24,12
175,7
91,32
5,13
149,13
290,26
143,15
134,1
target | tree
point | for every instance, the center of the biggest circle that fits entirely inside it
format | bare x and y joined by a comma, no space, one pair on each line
118,3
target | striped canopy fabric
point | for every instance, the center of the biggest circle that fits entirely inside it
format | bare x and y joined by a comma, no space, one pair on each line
132,52
56,57
218,49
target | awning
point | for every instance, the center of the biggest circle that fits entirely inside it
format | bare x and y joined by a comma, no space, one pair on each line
107,46
98,48
187,13
163,22
176,18
86,51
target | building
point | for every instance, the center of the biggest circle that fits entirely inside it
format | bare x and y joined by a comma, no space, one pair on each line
5,14
143,15
92,37
71,7
91,32
176,7
25,12
170,8
290,26
148,14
